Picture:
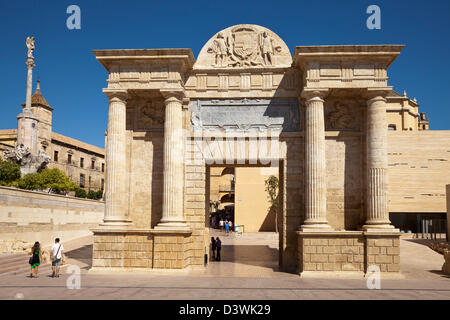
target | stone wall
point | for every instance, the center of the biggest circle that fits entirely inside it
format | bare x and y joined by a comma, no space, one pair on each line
332,251
348,251
34,216
345,185
383,250
423,157
140,249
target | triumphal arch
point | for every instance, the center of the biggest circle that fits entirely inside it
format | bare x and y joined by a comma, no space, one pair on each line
318,115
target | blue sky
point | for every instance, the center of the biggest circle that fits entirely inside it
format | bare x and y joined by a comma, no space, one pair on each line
72,79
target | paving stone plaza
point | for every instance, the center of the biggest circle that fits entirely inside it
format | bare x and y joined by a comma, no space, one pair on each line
248,270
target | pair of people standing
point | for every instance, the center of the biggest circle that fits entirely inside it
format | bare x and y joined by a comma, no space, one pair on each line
228,226
36,258
216,246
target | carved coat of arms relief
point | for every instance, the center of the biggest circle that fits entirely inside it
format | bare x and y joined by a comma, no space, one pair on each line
244,46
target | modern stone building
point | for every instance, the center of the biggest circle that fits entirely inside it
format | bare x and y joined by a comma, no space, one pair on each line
321,116
83,163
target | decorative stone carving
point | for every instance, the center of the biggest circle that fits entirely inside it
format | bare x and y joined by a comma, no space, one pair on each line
342,117
246,114
151,114
244,46
28,162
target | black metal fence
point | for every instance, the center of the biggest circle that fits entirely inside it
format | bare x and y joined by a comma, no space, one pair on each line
434,229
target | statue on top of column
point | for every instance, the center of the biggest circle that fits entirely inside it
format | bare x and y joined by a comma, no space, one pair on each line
30,46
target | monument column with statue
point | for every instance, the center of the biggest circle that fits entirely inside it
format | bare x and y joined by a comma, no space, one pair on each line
27,154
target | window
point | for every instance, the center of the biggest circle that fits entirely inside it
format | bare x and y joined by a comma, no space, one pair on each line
82,181
82,162
103,167
392,127
93,164
69,158
55,156
103,185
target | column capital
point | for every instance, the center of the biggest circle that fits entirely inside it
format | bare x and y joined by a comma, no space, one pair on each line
30,63
314,94
173,91
377,93
116,94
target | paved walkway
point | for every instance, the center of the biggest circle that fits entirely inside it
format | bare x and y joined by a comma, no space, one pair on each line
248,270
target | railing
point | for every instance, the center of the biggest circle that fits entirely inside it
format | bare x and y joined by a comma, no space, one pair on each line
434,229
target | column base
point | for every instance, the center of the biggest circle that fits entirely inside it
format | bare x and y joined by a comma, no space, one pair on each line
379,228
116,222
316,227
172,225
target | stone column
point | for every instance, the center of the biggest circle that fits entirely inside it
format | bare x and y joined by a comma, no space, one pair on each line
315,163
115,193
376,163
173,162
27,122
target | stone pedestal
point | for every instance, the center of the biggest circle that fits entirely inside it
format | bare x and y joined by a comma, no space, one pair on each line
115,202
315,163
139,250
376,150
173,160
348,253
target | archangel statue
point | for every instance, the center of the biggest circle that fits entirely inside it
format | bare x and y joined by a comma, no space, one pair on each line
30,46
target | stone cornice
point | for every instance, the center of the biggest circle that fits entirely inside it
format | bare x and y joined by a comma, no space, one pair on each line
304,53
141,231
109,57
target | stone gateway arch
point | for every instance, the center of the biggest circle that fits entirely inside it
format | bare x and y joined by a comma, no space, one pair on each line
318,115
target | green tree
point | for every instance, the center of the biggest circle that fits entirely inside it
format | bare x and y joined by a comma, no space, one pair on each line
9,172
56,181
53,179
272,191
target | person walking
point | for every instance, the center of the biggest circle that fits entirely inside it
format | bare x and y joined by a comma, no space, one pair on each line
35,260
230,225
221,224
219,248
227,227
213,248
57,256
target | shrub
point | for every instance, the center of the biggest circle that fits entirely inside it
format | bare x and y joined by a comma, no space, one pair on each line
95,195
99,194
80,193
31,181
9,172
